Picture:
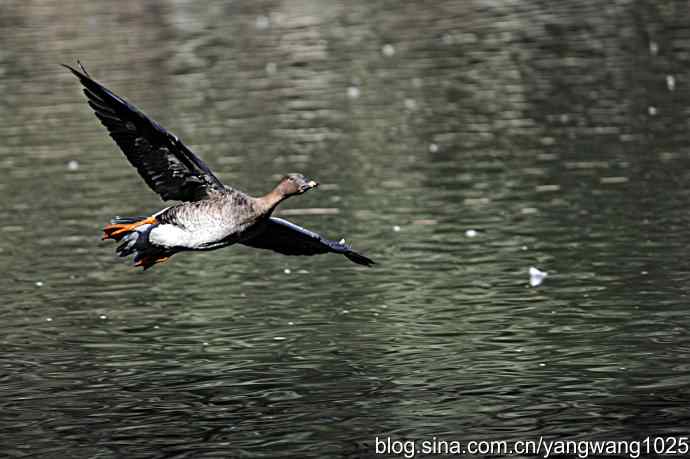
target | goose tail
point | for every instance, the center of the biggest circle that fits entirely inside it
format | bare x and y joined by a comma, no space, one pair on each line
133,235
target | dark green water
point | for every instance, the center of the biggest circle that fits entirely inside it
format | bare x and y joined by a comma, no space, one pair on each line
557,130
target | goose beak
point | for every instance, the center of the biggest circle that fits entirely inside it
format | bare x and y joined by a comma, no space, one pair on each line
308,186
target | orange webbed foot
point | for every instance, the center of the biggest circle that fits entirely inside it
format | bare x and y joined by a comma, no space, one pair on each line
147,262
118,230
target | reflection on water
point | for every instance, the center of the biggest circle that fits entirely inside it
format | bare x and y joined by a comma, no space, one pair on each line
459,144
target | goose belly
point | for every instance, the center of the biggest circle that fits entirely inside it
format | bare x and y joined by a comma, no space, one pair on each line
199,233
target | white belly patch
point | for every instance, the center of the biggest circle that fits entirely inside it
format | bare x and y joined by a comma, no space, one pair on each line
172,236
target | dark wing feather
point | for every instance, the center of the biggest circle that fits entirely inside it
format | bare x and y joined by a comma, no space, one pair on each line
287,238
164,162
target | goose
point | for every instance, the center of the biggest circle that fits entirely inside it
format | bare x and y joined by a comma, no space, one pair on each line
209,215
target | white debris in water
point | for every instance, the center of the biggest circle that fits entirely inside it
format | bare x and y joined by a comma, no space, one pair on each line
471,233
271,68
102,317
345,311
73,165
536,277
396,228
388,50
410,104
353,92
279,338
433,148
342,241
205,343
613,179
291,323
262,22
39,284
287,271
542,364
49,319
156,327
652,110
653,48
670,82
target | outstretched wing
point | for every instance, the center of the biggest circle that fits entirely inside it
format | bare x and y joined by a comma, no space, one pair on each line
165,163
289,239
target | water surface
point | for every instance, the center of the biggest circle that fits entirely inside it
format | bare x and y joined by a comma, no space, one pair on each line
557,131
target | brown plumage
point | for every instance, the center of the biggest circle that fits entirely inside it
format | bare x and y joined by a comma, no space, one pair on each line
211,215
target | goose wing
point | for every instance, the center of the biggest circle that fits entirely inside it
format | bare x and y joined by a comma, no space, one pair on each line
287,238
165,163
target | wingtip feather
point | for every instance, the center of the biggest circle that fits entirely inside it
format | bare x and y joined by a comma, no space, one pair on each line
76,72
360,259
81,74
